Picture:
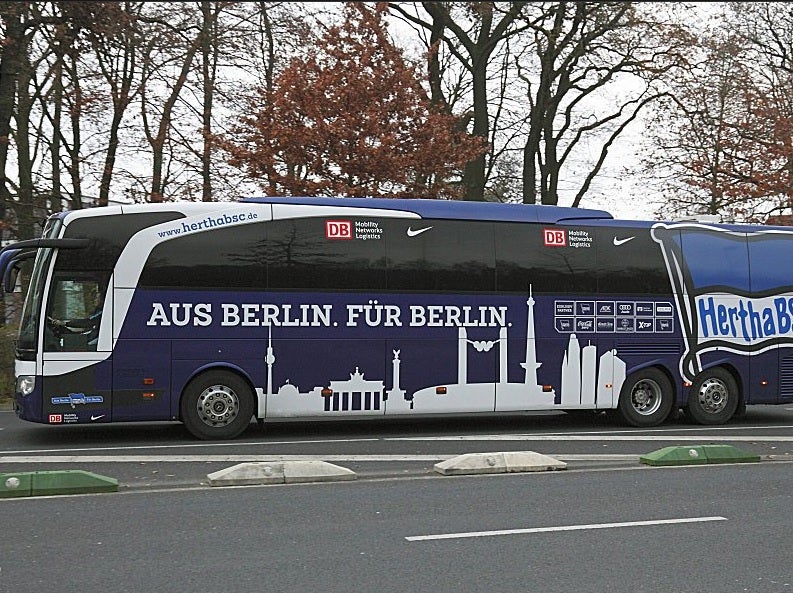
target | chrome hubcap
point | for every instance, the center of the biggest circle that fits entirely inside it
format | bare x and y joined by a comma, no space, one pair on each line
646,397
218,405
713,396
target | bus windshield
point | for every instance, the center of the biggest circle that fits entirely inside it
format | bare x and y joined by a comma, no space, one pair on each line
27,339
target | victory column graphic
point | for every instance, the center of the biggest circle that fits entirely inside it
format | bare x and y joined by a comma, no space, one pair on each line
580,387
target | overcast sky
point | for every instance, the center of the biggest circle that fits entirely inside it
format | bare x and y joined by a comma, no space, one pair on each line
615,189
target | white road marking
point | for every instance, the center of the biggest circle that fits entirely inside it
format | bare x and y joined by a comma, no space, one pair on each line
672,435
266,458
616,437
272,458
211,458
416,538
190,446
676,429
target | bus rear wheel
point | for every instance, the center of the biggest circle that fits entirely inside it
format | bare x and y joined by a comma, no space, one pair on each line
646,398
217,405
714,397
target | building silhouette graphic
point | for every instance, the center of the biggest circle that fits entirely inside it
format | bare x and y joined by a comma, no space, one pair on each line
586,382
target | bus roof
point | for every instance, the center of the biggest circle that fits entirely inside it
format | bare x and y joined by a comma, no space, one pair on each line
426,208
450,209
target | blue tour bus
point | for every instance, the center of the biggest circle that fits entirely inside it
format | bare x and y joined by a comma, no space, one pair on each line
215,313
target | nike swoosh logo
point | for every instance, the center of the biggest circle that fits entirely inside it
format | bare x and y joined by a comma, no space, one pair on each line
412,233
618,242
96,417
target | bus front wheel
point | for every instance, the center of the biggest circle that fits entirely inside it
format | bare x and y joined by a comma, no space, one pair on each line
646,398
217,405
714,397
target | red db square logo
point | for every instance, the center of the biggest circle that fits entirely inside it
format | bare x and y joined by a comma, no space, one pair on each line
338,229
555,237
56,418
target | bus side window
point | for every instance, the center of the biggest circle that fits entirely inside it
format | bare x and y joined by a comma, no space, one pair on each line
630,263
326,254
440,255
225,258
553,260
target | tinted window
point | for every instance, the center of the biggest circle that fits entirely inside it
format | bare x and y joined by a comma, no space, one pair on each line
228,257
630,262
107,236
716,260
440,255
553,260
770,262
339,253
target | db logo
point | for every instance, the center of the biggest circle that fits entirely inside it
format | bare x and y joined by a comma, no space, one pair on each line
56,418
338,229
554,238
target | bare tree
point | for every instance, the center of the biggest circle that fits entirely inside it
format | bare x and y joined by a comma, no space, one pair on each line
209,63
18,31
580,54
175,36
472,31
209,55
116,51
766,29
241,41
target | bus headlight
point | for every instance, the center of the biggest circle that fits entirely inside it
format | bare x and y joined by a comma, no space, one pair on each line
26,384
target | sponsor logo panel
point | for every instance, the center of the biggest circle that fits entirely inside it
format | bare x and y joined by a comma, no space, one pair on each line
613,316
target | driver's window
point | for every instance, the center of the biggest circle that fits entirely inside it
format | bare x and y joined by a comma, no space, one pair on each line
74,311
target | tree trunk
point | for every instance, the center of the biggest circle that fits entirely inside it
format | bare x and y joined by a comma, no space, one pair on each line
30,211
15,46
208,80
158,142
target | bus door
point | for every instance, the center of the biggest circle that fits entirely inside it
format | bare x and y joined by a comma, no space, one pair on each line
141,371
76,348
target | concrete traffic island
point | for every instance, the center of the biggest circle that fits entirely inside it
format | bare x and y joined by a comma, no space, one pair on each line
278,472
498,463
51,483
699,455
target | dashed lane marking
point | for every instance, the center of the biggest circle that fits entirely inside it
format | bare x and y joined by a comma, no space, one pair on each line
417,538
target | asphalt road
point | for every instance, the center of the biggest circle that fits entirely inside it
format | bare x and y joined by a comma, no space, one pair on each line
608,523
706,529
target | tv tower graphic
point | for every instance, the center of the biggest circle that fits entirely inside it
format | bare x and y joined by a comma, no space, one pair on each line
530,365
269,360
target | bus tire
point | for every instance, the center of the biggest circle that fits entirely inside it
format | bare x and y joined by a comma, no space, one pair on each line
217,405
646,398
714,397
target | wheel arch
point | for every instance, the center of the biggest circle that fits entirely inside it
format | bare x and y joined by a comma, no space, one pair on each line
662,366
214,366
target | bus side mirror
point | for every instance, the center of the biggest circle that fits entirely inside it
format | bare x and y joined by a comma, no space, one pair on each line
7,256
11,270
10,278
